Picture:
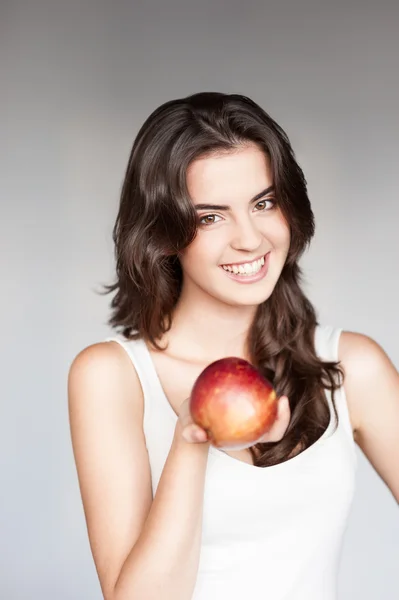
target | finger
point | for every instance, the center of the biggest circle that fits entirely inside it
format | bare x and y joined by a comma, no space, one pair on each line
283,415
280,424
283,407
194,434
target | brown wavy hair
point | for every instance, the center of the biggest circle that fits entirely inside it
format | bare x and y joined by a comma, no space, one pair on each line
156,220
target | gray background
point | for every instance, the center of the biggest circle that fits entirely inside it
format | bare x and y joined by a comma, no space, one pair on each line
78,79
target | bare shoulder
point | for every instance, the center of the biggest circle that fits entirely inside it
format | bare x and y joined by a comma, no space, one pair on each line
362,358
359,352
105,404
107,363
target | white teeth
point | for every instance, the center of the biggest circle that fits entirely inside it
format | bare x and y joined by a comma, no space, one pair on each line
247,268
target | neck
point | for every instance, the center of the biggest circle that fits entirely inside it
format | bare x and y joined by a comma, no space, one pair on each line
205,329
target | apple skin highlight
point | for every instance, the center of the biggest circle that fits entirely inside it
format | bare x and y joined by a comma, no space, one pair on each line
234,403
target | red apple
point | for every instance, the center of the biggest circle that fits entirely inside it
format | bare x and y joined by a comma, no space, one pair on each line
234,403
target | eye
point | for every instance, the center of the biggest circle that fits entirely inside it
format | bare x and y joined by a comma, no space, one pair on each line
264,202
202,220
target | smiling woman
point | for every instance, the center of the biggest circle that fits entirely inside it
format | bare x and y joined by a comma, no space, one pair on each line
213,219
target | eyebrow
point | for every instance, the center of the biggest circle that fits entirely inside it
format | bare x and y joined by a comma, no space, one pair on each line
226,207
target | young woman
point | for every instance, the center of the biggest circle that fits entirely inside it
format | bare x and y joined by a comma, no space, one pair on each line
214,215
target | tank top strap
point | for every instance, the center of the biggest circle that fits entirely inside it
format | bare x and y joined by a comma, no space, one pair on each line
326,344
327,341
138,354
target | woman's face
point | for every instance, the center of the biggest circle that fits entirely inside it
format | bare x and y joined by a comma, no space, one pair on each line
239,222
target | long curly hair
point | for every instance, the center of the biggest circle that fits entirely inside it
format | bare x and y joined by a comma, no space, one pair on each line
156,220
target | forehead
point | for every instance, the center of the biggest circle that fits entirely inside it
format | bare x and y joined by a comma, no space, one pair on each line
238,174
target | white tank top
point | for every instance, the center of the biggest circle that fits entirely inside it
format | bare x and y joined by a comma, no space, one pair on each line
268,532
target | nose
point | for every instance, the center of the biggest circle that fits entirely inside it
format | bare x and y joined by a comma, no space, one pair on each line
246,235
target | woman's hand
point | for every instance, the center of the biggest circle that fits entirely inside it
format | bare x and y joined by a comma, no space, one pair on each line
194,434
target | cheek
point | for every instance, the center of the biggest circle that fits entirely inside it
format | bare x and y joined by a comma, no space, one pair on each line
284,238
203,250
279,234
196,254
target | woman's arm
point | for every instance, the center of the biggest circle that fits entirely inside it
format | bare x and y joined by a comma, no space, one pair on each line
142,547
372,390
164,561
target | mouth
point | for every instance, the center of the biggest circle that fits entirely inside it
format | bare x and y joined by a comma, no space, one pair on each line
248,272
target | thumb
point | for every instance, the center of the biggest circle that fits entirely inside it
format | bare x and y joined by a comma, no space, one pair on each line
189,430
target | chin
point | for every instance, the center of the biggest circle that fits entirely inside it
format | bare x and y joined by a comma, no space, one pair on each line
246,297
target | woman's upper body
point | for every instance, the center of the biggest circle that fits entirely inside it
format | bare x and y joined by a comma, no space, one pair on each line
213,219
274,530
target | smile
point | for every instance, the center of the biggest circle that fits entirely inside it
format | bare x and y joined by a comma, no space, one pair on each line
248,272
250,268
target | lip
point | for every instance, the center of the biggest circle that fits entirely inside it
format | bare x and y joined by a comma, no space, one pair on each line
250,278
244,262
